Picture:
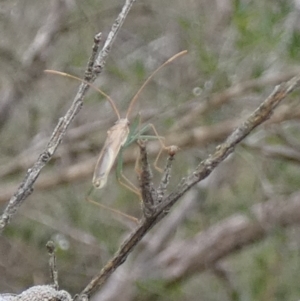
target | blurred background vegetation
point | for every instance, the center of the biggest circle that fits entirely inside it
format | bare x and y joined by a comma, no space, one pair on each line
238,50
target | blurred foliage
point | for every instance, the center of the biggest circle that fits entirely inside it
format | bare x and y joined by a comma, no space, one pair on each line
228,44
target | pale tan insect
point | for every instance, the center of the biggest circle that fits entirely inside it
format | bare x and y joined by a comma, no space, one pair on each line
117,134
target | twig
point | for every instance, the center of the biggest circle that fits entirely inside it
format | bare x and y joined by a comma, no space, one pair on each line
262,113
180,259
52,263
95,50
26,187
147,189
165,179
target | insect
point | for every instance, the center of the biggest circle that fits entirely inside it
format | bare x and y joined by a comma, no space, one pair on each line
117,135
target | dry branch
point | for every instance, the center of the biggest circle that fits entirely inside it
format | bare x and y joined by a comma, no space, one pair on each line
261,114
26,187
185,258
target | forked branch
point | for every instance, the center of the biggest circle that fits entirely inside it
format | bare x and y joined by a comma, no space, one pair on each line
261,114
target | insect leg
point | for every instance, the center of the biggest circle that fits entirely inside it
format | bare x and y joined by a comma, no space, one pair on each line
163,147
122,179
115,211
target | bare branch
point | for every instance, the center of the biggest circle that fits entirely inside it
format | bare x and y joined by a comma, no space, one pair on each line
185,258
26,187
262,113
91,62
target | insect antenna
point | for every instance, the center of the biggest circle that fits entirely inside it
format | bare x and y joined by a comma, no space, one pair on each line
134,99
112,103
